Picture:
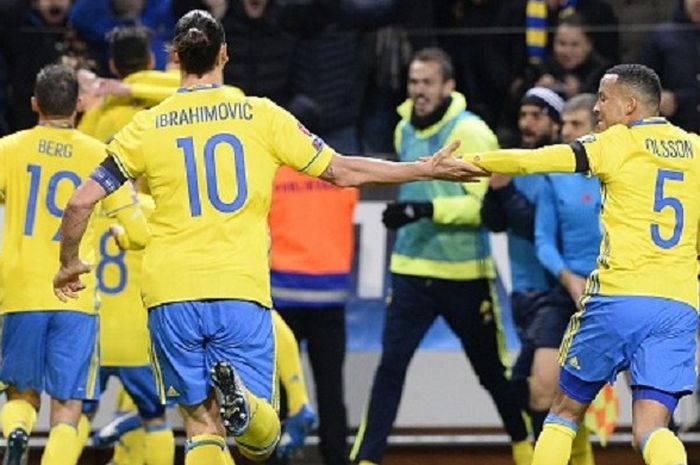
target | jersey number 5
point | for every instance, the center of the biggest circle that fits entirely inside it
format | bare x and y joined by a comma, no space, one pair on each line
661,202
187,146
50,201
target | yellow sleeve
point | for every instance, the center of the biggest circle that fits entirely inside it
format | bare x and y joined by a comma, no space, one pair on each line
294,145
136,234
152,93
605,163
551,159
126,147
89,120
124,207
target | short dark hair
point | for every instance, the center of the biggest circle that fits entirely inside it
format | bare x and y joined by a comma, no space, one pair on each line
641,79
198,38
129,49
438,56
576,20
56,90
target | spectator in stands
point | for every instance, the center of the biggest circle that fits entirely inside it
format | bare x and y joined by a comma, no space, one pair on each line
326,68
386,51
441,264
635,17
474,68
40,36
260,51
311,226
217,8
93,19
573,66
518,57
10,12
673,51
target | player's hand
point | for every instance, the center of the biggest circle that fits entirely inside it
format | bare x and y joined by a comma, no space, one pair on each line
401,213
444,165
574,284
118,233
67,283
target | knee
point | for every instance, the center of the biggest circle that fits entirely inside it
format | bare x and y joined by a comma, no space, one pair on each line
567,408
541,393
33,397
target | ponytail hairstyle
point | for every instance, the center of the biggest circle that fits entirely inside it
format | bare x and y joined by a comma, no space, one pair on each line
198,39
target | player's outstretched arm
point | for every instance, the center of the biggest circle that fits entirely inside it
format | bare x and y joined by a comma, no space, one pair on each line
348,171
558,158
76,215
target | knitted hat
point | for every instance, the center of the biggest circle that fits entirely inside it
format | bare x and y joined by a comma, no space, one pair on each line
546,99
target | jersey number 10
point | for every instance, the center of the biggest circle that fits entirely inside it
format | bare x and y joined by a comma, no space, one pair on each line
187,146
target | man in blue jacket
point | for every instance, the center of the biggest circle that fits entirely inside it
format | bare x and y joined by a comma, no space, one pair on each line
509,205
567,241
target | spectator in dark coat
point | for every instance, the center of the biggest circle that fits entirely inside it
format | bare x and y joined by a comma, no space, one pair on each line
573,66
474,72
518,62
260,51
673,51
93,19
37,36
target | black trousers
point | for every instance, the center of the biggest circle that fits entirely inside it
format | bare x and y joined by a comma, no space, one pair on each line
416,303
324,332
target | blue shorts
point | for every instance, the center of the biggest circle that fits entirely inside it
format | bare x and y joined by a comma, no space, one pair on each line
139,384
53,351
652,337
190,337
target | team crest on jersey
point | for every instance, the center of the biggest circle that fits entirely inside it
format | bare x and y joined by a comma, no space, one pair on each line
317,143
588,138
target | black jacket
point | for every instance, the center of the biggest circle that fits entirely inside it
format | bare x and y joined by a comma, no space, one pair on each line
673,51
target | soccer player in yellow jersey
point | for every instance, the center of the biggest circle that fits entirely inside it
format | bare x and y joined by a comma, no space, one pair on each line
640,304
47,345
124,340
209,157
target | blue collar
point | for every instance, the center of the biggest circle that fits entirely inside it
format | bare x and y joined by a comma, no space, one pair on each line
197,87
652,120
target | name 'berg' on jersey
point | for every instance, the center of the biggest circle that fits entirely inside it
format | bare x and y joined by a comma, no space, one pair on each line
209,156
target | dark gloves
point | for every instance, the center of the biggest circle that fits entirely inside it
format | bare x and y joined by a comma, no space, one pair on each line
401,213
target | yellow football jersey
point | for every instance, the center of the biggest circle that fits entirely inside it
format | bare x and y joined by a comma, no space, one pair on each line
650,182
124,338
650,204
39,170
209,156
